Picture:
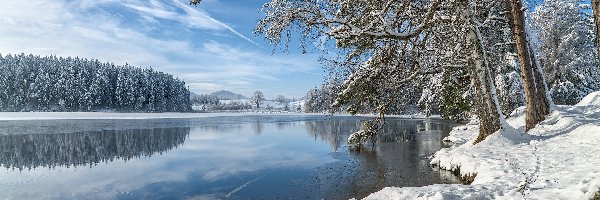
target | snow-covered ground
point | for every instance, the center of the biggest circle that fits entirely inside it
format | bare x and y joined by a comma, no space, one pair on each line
559,159
247,104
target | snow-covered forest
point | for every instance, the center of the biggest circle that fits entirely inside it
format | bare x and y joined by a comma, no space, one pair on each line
457,58
34,83
562,39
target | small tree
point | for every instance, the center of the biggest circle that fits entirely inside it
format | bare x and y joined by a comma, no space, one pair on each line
281,99
258,98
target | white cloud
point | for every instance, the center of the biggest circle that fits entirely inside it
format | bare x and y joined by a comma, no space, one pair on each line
193,14
192,18
156,9
95,29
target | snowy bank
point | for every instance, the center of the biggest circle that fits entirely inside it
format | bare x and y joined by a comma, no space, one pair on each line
558,159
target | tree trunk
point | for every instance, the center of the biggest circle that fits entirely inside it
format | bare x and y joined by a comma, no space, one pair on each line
485,105
541,89
484,90
536,102
596,13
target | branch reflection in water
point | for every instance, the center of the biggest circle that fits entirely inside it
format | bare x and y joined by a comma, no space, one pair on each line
400,157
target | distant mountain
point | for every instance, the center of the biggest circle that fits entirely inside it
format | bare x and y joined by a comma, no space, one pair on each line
227,95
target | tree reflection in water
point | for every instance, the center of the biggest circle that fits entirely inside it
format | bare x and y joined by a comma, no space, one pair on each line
334,131
400,157
90,147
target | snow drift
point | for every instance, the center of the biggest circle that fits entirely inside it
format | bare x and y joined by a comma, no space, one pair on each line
558,159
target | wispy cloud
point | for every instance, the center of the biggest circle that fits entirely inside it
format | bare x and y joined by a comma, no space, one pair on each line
235,68
191,17
157,9
116,31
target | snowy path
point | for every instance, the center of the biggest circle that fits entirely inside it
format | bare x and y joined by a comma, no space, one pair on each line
559,159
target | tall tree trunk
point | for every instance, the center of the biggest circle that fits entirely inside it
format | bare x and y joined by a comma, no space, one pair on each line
596,13
536,102
484,90
541,88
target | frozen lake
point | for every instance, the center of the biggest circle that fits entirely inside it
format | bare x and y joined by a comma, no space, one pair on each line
232,157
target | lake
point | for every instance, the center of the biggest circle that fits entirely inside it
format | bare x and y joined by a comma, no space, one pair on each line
240,157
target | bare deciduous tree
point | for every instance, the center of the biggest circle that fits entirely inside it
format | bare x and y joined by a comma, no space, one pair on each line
258,98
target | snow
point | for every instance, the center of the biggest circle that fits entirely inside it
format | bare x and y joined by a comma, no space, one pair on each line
592,99
558,159
247,104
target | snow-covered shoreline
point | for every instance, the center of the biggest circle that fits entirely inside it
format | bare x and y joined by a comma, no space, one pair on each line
558,159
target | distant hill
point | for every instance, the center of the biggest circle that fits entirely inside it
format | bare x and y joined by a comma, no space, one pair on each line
227,95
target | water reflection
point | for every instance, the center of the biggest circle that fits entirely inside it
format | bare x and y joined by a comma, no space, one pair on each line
334,131
45,146
250,157
399,159
87,148
258,127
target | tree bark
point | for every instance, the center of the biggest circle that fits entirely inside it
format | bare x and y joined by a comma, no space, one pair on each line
484,102
536,102
484,90
596,13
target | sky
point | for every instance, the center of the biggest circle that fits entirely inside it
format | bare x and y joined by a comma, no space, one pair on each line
211,47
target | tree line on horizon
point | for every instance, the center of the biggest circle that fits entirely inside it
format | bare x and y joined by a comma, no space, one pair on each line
50,83
215,102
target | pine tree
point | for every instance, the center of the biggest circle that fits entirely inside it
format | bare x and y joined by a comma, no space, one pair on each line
33,83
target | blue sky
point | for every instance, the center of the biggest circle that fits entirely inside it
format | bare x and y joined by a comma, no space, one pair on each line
211,47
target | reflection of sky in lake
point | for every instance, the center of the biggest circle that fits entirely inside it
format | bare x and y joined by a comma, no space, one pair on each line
211,153
231,157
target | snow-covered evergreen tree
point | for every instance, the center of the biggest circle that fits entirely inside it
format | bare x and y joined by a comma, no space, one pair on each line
75,84
508,84
321,99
